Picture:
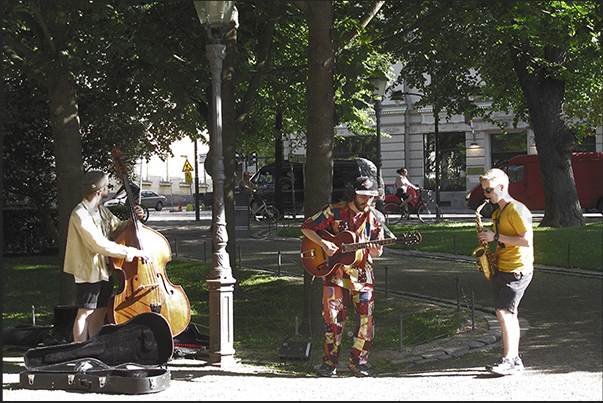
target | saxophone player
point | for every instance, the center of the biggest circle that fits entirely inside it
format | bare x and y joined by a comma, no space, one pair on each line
514,258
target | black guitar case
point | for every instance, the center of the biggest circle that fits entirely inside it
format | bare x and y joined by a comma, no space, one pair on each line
129,358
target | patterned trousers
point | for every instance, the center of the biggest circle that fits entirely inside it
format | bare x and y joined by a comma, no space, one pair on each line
336,301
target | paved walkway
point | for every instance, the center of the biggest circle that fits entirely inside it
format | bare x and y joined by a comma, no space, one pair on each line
561,346
563,312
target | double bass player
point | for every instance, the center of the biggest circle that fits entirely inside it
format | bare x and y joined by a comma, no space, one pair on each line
89,240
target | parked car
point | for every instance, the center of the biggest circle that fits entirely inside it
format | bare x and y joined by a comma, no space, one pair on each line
151,199
148,198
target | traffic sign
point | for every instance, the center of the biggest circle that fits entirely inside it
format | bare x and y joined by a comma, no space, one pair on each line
187,167
188,177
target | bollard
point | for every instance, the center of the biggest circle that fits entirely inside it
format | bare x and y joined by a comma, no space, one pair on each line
401,332
33,315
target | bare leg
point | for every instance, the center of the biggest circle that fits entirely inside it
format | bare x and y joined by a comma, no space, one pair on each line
96,321
404,203
80,325
510,332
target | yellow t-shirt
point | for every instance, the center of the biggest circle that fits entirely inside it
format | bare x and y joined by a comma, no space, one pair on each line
514,219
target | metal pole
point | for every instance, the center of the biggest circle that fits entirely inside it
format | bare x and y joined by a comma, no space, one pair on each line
296,326
472,311
386,285
453,242
279,262
436,115
458,293
378,109
401,332
220,281
197,207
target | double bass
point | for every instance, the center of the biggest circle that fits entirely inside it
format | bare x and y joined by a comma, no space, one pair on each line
143,285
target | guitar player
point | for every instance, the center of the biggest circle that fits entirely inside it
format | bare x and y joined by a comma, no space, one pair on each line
348,284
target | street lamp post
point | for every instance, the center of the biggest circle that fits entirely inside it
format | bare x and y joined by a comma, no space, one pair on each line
216,14
378,83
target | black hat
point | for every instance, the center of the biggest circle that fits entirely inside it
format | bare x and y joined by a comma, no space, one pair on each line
93,180
366,186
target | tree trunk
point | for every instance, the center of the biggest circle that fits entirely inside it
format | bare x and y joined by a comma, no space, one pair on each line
320,137
65,124
544,95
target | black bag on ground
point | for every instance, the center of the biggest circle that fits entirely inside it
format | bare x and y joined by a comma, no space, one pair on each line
25,336
191,343
103,363
60,332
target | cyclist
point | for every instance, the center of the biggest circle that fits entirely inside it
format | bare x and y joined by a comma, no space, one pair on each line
402,185
253,190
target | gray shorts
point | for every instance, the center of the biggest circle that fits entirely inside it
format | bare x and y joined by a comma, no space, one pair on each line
93,295
509,289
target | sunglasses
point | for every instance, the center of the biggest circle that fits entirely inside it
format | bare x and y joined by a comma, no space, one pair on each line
487,190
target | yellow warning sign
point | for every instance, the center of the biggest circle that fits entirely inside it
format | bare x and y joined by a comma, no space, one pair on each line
187,167
188,177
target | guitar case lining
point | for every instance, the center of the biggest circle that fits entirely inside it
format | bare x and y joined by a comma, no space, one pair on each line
145,342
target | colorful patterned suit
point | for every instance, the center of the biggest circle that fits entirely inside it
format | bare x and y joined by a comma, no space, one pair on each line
348,284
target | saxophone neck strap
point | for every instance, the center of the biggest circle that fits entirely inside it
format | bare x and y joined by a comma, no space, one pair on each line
377,215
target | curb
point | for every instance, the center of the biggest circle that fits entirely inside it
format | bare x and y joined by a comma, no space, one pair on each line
490,339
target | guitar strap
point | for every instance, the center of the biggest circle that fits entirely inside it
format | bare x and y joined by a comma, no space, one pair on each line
378,216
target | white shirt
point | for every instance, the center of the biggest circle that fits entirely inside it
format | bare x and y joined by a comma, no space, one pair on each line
88,243
403,182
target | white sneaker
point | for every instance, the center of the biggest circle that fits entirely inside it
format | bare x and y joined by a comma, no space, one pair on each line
506,366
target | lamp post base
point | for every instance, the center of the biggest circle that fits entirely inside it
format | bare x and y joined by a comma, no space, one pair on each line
221,324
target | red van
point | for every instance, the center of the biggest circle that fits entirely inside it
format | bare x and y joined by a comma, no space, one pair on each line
526,182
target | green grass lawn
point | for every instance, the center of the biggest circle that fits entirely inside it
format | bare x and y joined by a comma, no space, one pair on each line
265,308
575,247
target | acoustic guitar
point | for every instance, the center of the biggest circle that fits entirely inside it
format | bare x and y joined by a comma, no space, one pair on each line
319,264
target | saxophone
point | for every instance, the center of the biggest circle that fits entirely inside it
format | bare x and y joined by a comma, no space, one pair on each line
483,254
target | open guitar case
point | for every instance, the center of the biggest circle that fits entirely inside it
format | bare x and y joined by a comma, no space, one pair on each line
130,358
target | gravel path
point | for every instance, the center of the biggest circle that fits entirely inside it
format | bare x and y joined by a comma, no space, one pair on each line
561,348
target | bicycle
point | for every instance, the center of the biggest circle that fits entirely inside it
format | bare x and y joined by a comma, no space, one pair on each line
417,205
269,213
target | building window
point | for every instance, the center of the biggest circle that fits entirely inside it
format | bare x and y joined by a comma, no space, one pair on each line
588,145
356,147
507,146
452,160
